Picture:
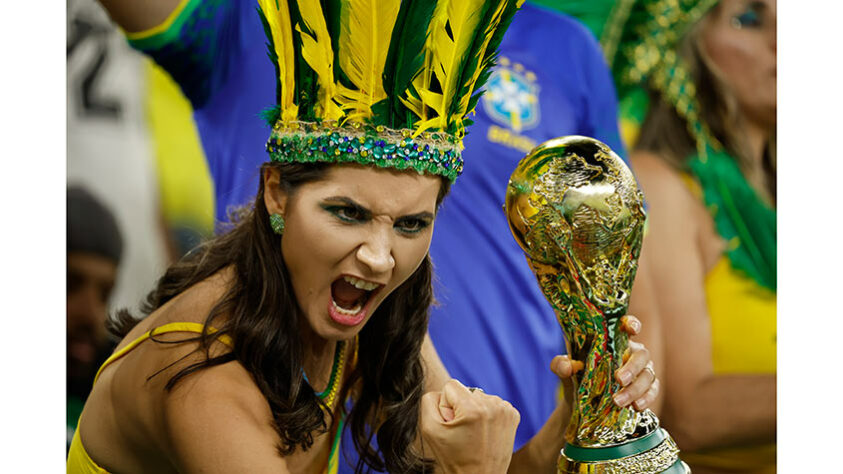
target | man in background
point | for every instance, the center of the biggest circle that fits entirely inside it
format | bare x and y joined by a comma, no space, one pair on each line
94,248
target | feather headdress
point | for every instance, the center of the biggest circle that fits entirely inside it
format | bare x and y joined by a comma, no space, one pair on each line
379,82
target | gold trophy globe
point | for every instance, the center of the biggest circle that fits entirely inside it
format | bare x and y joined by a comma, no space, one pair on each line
577,212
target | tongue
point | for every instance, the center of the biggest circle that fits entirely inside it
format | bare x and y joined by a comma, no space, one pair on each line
345,294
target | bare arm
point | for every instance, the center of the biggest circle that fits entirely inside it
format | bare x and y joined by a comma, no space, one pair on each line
435,373
644,305
539,454
134,16
701,409
218,422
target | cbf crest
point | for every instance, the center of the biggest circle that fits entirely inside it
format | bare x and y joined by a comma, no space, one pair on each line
512,96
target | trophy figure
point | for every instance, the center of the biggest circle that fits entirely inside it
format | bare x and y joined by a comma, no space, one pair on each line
576,211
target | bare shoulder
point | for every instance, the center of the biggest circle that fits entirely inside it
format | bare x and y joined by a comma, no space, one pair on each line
669,198
214,419
657,177
217,420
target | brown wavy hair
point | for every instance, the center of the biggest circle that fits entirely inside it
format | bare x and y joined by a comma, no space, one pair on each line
263,318
666,134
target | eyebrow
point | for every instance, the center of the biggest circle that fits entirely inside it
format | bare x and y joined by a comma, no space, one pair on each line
367,212
757,4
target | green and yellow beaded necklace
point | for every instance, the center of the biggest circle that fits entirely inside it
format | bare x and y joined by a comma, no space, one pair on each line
329,395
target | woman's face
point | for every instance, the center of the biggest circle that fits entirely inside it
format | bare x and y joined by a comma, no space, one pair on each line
351,238
740,40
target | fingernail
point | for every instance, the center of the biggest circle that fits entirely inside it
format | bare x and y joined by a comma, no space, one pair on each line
636,326
625,377
621,399
640,403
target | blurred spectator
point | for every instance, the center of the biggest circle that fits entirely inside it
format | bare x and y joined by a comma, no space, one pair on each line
700,79
94,249
128,142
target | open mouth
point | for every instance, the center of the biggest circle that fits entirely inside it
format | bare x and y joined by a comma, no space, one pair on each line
349,297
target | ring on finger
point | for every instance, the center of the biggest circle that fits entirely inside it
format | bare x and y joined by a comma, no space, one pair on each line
473,389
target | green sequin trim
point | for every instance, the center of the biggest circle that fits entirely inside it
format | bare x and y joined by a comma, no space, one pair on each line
430,153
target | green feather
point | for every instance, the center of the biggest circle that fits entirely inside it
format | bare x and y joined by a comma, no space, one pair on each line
271,114
489,57
405,58
271,53
469,64
497,36
380,109
306,87
333,10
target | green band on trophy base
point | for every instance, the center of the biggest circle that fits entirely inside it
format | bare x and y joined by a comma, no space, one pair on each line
661,458
654,453
632,448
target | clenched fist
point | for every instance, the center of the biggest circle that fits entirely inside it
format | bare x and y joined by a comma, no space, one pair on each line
467,432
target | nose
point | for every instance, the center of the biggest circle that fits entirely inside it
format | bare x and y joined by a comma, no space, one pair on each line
376,251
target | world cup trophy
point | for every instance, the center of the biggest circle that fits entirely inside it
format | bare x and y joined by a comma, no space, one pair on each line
577,212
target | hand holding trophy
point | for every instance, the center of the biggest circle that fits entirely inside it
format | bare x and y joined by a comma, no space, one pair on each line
577,212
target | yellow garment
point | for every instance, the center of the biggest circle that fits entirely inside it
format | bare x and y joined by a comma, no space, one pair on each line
742,315
743,322
187,194
743,341
78,460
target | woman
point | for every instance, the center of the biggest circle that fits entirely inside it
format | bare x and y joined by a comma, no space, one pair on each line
706,159
320,292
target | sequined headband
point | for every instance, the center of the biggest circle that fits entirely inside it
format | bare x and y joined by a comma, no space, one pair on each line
385,84
433,153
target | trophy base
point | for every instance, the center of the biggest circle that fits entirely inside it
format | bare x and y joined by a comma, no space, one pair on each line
652,454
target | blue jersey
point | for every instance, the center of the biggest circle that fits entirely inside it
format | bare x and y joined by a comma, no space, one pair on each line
493,328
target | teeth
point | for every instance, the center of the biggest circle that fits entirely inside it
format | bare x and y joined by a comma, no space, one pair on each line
348,312
361,284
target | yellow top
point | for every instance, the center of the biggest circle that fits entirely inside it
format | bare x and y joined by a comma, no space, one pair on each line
743,341
743,322
78,460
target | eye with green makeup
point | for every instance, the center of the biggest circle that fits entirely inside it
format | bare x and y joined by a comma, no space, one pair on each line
349,212
750,17
411,225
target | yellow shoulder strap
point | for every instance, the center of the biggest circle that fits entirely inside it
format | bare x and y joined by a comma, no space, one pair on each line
171,327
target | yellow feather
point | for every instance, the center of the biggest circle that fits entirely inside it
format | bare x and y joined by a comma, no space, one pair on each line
444,56
365,32
422,81
277,16
463,17
490,31
317,51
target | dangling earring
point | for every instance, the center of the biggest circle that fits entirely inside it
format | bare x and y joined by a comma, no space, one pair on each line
277,223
